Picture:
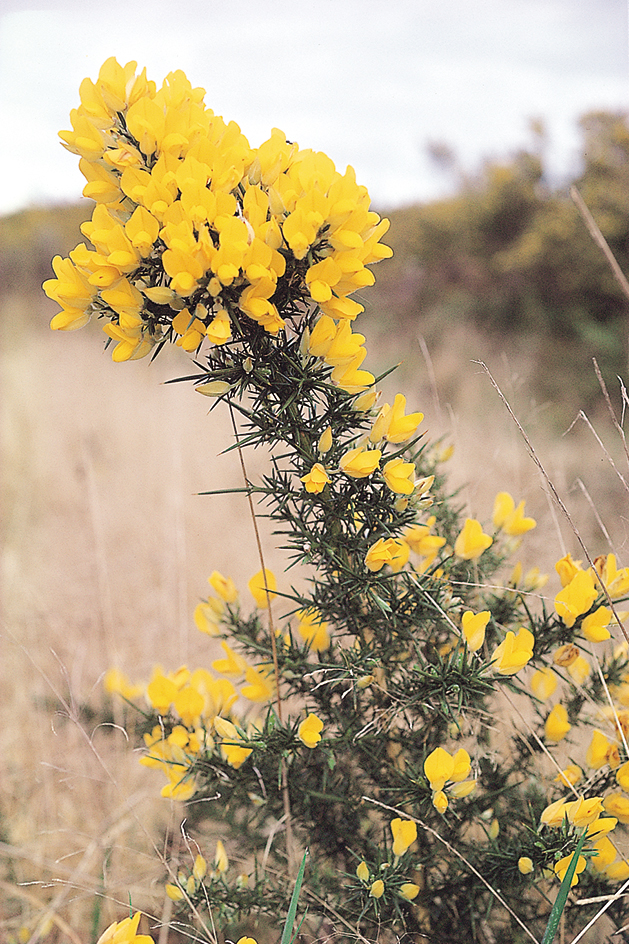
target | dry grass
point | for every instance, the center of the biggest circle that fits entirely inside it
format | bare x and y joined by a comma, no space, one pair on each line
106,547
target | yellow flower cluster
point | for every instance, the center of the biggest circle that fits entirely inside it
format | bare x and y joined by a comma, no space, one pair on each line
442,768
195,233
404,835
581,589
586,814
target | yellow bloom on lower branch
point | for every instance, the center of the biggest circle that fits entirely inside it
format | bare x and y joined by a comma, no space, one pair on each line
316,480
313,630
224,586
392,551
440,801
377,889
362,872
117,683
474,625
525,865
309,731
561,868
543,683
510,519
400,476
409,890
570,776
404,835
557,725
231,743
221,862
261,687
472,540
359,463
125,932
514,652
617,805
576,597
262,586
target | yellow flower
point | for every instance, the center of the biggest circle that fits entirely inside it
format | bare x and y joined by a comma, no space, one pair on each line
576,597
474,625
440,767
316,480
221,862
525,865
261,687
440,801
199,869
360,462
617,805
362,872
325,441
313,630
173,892
510,519
231,742
409,890
567,569
555,813
557,725
599,750
116,682
605,854
309,731
622,776
570,776
207,616
616,581
404,835
377,889
391,551
583,812
514,652
224,586
472,540
594,626
232,664
401,427
400,476
561,868
125,932
262,586
618,871
543,683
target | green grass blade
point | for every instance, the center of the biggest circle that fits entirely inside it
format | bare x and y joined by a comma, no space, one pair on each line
292,908
562,895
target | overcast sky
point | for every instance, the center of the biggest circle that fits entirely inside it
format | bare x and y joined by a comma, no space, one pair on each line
370,82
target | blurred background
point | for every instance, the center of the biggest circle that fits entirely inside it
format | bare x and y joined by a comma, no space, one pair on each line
468,123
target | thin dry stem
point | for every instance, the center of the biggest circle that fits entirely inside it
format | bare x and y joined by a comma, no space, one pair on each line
610,407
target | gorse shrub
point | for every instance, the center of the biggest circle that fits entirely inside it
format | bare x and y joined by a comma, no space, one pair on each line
399,715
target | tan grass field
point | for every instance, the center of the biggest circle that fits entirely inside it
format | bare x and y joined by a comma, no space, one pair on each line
106,546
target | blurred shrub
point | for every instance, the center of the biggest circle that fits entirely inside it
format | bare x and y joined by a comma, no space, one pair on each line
510,253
